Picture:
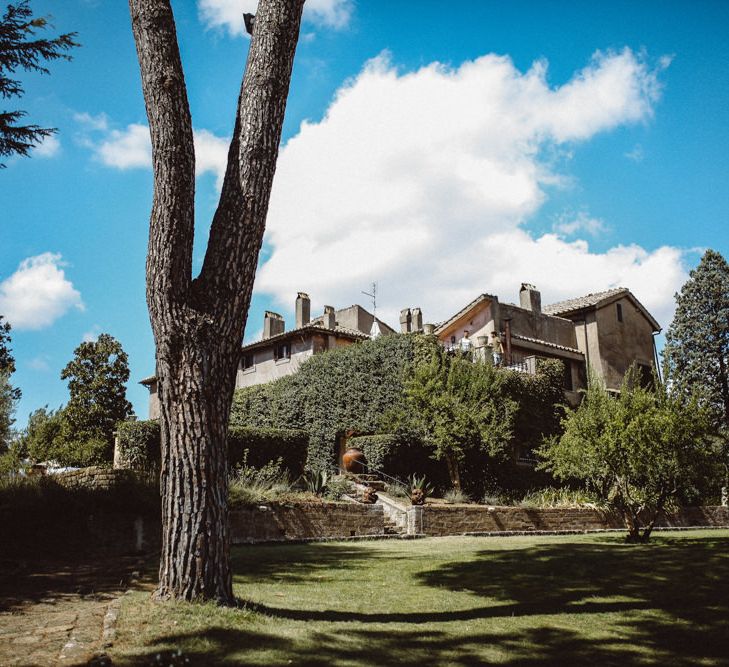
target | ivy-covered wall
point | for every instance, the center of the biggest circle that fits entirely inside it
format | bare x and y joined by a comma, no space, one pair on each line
348,389
352,388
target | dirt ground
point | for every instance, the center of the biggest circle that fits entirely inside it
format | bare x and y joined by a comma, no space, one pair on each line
52,611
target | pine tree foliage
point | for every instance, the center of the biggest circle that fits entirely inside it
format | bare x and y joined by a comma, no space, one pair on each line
9,395
21,50
696,354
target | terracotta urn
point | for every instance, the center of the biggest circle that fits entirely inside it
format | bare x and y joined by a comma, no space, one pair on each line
354,461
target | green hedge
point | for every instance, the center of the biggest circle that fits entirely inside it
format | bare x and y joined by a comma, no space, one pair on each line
139,442
268,444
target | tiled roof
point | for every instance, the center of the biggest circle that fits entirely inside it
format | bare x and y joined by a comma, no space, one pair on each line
539,341
308,329
597,299
583,301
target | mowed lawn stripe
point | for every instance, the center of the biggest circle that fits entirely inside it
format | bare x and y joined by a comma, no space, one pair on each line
588,599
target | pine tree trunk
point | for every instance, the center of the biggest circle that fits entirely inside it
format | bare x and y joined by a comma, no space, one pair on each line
198,324
195,396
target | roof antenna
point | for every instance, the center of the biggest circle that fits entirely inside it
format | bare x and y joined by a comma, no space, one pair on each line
375,330
373,296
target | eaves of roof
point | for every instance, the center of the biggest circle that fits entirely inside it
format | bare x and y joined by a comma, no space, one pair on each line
538,342
461,313
308,330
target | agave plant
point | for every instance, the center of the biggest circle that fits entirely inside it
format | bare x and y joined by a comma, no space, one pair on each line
316,481
420,489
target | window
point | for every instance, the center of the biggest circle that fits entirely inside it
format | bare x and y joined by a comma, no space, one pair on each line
619,310
282,351
247,362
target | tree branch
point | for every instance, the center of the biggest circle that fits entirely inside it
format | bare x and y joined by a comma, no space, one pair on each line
169,259
237,230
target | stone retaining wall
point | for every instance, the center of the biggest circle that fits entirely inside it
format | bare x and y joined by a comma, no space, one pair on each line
94,477
439,520
276,522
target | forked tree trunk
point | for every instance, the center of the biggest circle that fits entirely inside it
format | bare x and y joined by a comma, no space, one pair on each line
198,324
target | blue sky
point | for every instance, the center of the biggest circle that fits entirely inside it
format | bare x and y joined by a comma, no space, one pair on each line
442,150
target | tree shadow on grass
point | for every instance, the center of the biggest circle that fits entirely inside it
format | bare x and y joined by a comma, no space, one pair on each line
532,647
27,583
668,604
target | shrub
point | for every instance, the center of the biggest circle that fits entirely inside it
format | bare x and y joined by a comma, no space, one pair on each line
345,389
378,449
264,445
139,444
41,517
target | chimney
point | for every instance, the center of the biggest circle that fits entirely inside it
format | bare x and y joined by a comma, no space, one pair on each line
329,319
273,324
417,320
405,320
303,310
429,329
530,298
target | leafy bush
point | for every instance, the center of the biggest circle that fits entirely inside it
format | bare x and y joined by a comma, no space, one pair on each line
336,487
377,449
139,443
39,516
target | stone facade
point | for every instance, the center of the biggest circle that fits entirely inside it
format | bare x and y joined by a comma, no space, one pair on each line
276,522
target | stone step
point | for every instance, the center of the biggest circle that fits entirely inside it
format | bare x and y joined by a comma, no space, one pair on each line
367,478
377,486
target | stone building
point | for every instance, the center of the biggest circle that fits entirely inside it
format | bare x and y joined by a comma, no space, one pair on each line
280,352
607,330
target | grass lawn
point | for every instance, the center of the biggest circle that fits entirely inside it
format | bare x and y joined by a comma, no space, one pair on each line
573,600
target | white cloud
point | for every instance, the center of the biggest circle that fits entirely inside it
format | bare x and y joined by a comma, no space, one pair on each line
38,293
228,14
423,181
131,148
48,148
99,122
126,149
569,223
92,335
211,154
40,363
636,154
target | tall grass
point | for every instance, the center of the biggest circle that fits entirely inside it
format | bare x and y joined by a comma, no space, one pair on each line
561,497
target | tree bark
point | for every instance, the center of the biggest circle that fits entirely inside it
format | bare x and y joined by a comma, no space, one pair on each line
453,471
198,324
